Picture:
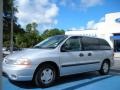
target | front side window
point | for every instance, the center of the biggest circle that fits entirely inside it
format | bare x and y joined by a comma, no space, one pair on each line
72,44
51,42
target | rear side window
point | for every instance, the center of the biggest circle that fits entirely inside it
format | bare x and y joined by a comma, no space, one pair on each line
104,45
89,43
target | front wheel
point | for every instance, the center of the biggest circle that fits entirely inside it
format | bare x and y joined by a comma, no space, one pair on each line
105,68
45,76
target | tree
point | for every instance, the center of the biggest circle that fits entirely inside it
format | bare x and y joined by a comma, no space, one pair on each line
28,28
32,28
30,37
7,4
47,33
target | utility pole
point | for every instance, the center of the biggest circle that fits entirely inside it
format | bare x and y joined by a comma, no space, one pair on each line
1,41
11,35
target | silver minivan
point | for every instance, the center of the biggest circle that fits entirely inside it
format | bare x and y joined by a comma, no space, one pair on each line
57,56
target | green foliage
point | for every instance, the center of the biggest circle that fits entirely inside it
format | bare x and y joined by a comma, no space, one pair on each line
47,33
7,7
28,28
32,28
32,37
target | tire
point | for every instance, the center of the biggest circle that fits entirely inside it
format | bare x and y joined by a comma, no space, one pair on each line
45,76
105,68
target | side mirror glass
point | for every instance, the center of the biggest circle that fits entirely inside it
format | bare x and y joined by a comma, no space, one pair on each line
65,48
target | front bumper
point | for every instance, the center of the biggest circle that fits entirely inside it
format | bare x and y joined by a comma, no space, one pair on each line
18,73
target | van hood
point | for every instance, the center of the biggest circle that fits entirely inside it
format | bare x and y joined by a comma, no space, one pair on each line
29,53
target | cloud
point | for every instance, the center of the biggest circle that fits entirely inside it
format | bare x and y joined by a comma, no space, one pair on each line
70,3
79,28
63,2
91,25
43,12
85,4
81,4
102,19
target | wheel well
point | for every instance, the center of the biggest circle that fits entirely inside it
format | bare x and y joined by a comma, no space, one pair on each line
47,63
107,61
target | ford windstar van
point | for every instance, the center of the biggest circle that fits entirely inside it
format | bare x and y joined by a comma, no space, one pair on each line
57,56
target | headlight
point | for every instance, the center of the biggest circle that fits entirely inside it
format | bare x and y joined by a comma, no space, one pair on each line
22,61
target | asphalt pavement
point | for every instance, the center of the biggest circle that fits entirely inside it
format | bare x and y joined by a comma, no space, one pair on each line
84,81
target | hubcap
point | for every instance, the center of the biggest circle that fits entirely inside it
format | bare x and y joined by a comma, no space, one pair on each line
47,75
105,67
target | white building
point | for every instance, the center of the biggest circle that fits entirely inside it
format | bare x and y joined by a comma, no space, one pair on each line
108,29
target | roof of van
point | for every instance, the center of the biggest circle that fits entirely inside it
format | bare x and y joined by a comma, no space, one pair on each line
85,36
81,36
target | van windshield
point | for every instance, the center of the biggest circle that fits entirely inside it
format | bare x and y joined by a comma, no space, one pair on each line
51,42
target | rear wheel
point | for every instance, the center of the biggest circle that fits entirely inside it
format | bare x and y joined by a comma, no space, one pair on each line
105,68
45,76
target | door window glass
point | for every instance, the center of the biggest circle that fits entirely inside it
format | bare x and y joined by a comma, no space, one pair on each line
104,45
72,44
90,43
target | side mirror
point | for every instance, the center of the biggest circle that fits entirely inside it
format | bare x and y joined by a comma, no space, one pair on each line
65,48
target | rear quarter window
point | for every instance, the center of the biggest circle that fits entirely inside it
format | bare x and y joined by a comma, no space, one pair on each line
89,43
104,45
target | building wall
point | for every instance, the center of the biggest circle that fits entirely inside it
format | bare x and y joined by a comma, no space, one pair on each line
110,25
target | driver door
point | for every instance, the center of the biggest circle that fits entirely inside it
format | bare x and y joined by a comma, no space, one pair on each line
71,56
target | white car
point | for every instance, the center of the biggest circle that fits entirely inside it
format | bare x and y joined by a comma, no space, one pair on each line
59,56
6,50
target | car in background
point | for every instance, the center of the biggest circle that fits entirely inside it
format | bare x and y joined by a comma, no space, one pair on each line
6,50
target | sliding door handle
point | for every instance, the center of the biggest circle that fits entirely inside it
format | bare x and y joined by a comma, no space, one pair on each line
89,54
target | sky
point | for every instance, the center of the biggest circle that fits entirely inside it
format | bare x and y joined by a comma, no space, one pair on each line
64,14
